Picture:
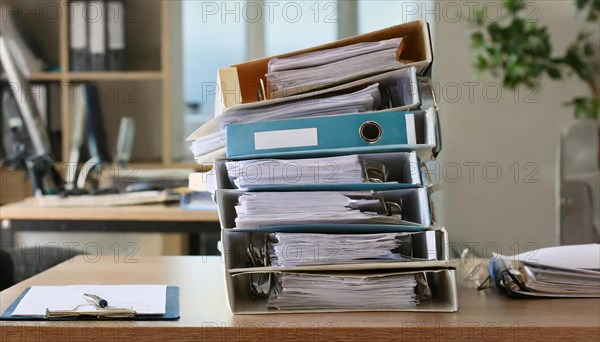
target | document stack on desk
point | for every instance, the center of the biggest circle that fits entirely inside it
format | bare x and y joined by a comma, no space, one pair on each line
323,200
553,272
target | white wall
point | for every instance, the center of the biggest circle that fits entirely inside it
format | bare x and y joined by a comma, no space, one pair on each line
510,211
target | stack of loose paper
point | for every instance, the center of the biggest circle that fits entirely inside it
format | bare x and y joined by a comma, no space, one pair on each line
106,200
359,101
319,69
129,181
214,137
263,209
293,249
307,291
563,271
261,172
550,280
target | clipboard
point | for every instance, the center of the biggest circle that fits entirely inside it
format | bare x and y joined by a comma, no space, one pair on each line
172,311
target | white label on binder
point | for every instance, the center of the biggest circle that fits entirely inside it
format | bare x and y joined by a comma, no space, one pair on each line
411,135
286,138
96,17
78,25
116,25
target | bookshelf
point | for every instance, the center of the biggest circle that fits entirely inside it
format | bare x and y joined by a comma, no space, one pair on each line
143,91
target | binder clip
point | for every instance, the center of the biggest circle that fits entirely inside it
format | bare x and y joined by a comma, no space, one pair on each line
259,284
386,98
374,172
377,206
257,256
101,310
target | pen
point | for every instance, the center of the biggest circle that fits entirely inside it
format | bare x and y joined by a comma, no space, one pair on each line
96,300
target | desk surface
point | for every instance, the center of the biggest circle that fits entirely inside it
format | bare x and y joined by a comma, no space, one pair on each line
482,315
28,210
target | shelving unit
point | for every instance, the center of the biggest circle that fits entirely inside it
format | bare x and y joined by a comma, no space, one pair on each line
142,92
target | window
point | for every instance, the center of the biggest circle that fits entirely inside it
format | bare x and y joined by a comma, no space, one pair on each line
296,25
378,14
213,36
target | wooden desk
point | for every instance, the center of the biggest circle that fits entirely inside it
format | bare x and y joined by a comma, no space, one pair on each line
483,315
158,218
27,210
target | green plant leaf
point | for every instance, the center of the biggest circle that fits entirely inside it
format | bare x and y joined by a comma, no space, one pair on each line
588,49
514,5
581,4
477,17
477,39
585,107
554,73
520,52
482,63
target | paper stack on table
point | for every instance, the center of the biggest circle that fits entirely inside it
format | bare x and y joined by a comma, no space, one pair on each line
307,291
340,170
322,200
563,271
262,209
297,74
106,200
302,249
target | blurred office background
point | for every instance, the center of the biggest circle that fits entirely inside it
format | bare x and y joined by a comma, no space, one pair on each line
499,165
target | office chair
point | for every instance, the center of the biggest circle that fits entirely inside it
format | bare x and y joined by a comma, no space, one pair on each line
579,185
7,277
28,262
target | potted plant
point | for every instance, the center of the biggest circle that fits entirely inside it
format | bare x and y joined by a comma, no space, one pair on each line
519,51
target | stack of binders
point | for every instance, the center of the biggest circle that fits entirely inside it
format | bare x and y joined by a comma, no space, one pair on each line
323,194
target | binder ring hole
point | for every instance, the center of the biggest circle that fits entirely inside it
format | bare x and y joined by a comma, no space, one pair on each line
370,131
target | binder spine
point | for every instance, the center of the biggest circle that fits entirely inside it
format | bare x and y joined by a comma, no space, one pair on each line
116,35
79,60
78,36
97,62
97,35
